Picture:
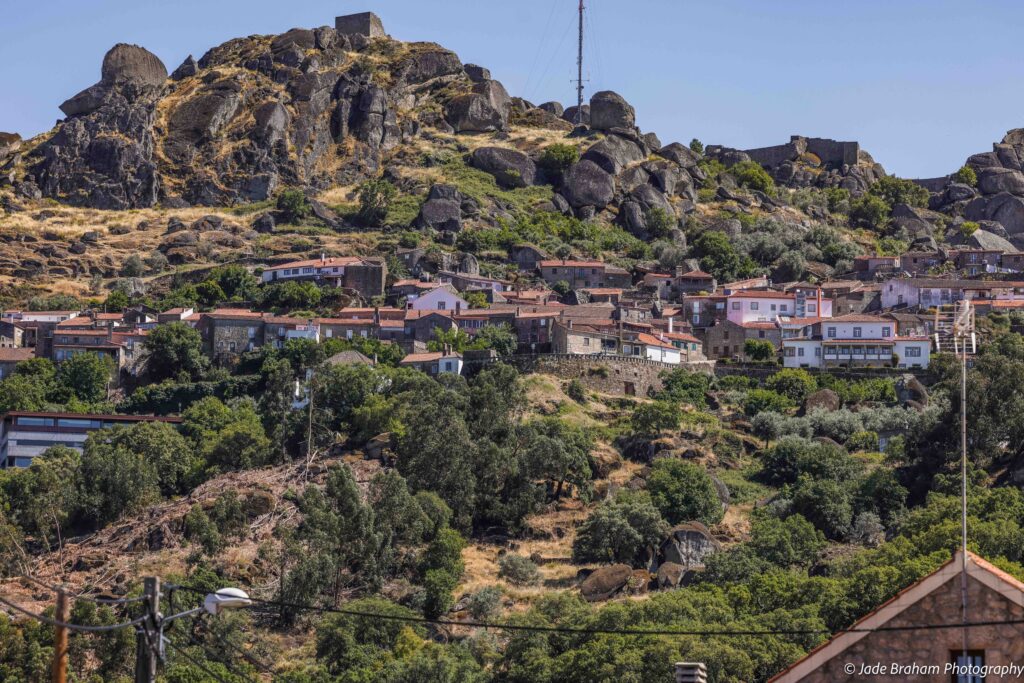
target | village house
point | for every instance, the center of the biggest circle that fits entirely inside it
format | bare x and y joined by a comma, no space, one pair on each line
727,339
364,275
929,292
854,341
25,434
581,274
526,256
971,262
693,281
765,305
11,334
869,266
11,356
917,263
903,633
434,362
227,332
467,281
175,315
278,330
440,298
37,327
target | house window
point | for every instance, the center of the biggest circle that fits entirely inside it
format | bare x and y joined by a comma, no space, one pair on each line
753,305
735,305
252,332
856,333
800,351
961,669
913,351
812,308
817,352
887,331
725,334
774,307
586,341
783,307
831,333
760,334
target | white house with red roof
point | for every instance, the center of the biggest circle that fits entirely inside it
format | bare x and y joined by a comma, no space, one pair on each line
753,305
853,340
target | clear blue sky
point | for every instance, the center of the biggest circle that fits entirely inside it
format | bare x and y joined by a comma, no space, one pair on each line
921,84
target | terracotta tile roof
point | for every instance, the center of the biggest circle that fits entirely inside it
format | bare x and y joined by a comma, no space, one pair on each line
17,354
602,290
326,263
234,314
427,357
696,275
651,340
681,336
554,263
855,318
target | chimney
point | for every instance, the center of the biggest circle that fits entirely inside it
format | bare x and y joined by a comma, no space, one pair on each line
671,322
821,314
376,315
691,672
458,307
323,258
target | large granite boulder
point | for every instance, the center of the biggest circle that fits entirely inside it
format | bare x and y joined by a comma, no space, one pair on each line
125,63
610,110
680,154
614,153
584,115
484,110
442,210
554,108
689,545
996,180
587,184
427,65
822,399
604,582
509,167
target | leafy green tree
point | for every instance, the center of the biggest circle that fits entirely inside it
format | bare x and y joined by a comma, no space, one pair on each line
441,569
293,205
966,175
518,569
870,211
133,266
375,196
175,350
236,282
346,643
477,300
826,504
618,530
684,386
719,257
762,400
752,175
501,338
292,296
559,453
895,190
650,419
85,376
683,492
660,222
759,350
697,146
114,480
795,384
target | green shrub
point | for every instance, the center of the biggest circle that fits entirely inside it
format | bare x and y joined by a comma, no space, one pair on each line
895,190
759,350
762,400
558,157
518,569
752,175
618,530
966,175
697,146
293,205
869,211
968,228
576,391
863,440
793,383
484,602
660,222
683,492
650,419
375,197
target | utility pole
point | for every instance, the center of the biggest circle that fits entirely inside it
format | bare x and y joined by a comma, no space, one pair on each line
579,71
147,635
59,672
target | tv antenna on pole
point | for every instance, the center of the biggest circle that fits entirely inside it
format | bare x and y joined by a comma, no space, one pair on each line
954,331
579,71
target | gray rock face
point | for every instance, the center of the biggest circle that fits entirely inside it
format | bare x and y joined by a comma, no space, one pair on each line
996,180
484,110
190,67
477,74
570,115
614,153
587,184
442,210
604,582
426,66
271,123
509,167
680,154
689,545
554,108
264,223
201,118
610,110
125,63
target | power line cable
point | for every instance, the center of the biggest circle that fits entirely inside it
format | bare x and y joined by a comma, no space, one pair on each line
87,598
195,662
73,627
206,652
625,632
540,48
544,77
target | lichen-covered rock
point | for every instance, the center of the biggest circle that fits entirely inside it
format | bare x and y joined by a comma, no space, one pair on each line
604,582
509,167
614,153
610,110
587,184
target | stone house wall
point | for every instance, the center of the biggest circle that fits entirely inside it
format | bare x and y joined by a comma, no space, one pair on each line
1003,643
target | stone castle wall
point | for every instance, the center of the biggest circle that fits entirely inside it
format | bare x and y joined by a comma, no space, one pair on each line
833,153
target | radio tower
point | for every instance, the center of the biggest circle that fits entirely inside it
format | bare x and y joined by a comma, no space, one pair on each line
579,71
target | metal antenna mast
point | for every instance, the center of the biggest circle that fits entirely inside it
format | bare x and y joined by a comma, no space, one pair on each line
955,327
579,71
